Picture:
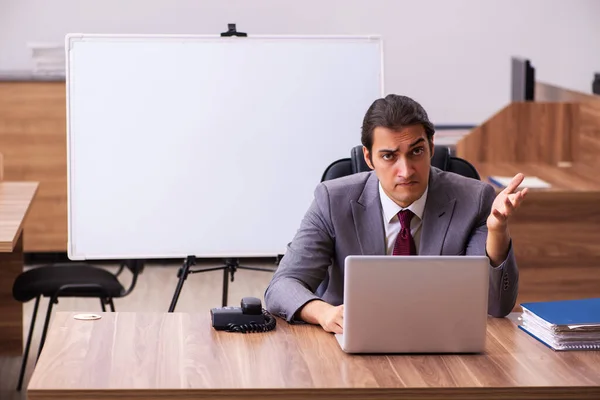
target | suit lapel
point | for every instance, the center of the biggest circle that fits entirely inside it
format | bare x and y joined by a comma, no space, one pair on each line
368,220
436,217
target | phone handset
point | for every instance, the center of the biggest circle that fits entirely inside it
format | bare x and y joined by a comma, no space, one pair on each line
249,317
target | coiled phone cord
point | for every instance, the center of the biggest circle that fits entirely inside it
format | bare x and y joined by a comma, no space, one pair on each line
252,327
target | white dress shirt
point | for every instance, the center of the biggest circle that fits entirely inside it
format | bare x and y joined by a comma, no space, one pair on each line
391,223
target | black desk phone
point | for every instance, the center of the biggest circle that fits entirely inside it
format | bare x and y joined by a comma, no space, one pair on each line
250,317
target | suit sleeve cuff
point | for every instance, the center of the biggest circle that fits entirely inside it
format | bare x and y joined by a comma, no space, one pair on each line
509,256
294,316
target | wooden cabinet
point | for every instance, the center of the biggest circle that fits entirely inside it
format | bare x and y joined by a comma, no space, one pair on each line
33,143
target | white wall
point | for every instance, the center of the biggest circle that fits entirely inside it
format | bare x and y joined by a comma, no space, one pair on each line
451,55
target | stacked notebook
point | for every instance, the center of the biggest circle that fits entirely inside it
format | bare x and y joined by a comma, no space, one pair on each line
532,182
564,325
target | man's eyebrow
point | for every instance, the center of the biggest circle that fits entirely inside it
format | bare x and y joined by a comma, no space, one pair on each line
416,142
390,150
397,149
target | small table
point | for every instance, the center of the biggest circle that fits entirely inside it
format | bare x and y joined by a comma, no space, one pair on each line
15,202
178,355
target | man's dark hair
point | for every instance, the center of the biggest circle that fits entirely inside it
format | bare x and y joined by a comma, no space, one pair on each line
394,112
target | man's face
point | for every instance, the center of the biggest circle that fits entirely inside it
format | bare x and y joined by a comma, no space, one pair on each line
401,160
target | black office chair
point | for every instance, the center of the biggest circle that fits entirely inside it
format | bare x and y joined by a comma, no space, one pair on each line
441,159
69,280
446,162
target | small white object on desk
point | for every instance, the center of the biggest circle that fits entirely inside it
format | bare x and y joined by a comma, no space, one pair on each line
532,182
87,317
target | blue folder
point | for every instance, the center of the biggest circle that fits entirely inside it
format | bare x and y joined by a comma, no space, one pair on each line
567,312
564,315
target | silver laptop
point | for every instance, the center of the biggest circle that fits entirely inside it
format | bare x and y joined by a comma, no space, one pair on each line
415,304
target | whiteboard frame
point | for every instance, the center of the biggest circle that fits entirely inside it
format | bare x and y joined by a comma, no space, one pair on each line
72,38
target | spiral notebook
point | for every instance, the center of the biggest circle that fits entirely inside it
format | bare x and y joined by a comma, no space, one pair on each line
564,325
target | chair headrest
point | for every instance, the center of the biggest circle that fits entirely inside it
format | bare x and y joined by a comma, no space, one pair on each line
441,157
358,160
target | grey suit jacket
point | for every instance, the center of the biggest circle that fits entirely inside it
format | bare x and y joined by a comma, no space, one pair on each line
345,218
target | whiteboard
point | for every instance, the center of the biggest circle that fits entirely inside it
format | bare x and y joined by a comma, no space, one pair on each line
204,145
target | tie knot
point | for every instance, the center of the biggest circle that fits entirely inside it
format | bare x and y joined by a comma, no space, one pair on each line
405,216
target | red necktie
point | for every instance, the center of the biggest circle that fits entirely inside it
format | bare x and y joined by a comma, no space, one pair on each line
405,244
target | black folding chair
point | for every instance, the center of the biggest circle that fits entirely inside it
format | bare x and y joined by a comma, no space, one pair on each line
69,280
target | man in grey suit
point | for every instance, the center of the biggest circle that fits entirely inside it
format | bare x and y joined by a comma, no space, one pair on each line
403,207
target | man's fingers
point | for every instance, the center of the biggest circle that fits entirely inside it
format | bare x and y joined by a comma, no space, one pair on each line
508,205
514,199
510,201
335,320
339,321
514,183
518,198
498,214
334,327
337,328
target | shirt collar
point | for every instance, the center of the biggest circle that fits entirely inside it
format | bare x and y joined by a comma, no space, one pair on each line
390,208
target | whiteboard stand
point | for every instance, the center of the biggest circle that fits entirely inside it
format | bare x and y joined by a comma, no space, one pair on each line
231,264
229,268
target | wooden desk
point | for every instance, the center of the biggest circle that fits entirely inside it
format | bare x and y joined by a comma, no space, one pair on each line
161,355
15,202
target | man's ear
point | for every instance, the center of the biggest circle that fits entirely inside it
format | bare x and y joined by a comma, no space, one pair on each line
367,156
431,147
